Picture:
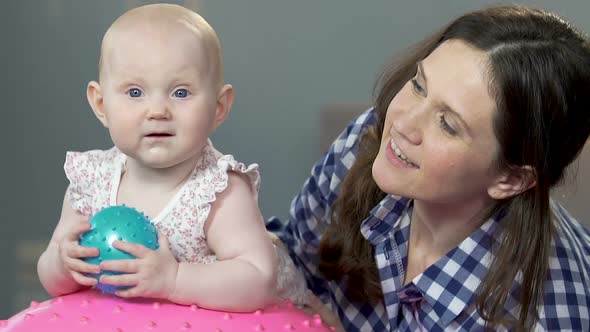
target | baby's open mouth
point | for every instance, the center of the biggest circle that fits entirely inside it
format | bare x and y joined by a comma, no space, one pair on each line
159,135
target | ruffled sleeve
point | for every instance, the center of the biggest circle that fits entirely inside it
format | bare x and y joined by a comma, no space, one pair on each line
212,179
81,169
227,163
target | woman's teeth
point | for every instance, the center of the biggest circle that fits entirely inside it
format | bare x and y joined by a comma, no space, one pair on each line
401,155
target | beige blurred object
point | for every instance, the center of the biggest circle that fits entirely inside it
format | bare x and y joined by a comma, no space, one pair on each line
55,8
574,193
334,118
27,285
192,4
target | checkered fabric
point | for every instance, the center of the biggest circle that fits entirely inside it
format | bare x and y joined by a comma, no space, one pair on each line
442,297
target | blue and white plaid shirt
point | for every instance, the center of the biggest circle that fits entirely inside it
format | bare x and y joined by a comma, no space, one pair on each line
442,298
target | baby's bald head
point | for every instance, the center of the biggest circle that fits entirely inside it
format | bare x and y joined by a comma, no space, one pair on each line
166,20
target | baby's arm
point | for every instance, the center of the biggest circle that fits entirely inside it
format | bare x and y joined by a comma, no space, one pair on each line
60,268
243,277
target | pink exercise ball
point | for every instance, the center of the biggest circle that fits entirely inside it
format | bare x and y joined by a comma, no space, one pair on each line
93,311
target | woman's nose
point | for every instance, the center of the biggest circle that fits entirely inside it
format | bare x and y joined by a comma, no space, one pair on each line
409,124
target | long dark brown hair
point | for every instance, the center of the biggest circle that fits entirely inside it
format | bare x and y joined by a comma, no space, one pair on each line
540,75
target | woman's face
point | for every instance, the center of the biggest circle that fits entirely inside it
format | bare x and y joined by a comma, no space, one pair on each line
438,143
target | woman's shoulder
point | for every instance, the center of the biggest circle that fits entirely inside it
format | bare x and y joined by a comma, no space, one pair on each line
343,152
349,137
566,293
571,232
569,263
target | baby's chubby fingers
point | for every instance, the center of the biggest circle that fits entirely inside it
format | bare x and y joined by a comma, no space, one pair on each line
82,279
120,265
120,279
131,292
81,266
78,251
135,249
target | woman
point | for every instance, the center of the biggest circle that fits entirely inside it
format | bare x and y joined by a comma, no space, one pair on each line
431,211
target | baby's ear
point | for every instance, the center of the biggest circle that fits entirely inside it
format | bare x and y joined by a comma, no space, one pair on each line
514,181
95,99
225,99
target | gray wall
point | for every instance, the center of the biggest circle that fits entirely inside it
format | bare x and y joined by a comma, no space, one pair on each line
286,60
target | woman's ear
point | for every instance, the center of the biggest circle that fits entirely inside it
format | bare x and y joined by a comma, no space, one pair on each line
95,99
225,99
514,181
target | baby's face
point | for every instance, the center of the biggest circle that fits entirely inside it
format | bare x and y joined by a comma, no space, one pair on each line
159,97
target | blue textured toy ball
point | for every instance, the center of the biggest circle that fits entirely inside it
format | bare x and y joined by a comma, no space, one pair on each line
117,223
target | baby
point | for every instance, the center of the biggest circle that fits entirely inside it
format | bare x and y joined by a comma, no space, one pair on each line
161,94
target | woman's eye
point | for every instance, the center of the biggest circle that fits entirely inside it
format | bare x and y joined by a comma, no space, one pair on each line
445,125
417,87
181,93
134,93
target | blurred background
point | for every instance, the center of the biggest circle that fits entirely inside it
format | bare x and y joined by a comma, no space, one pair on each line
301,70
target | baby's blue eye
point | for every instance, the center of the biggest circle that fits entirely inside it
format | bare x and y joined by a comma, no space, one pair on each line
181,93
134,93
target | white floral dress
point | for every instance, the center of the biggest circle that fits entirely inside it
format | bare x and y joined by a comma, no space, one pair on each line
94,182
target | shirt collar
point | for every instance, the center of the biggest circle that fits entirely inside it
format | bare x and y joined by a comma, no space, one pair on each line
383,217
449,286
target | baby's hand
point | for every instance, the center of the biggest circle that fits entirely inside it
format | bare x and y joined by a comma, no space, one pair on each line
71,252
151,274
